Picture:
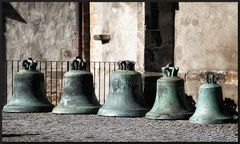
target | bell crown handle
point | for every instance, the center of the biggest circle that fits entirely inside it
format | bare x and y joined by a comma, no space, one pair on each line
211,77
169,70
78,64
29,64
126,65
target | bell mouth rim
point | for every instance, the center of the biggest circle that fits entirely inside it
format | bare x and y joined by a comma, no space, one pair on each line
169,116
171,78
28,71
126,70
122,113
85,71
73,110
212,121
27,109
211,85
77,70
170,82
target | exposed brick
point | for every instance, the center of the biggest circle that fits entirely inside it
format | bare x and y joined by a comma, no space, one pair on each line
231,77
194,76
54,99
182,75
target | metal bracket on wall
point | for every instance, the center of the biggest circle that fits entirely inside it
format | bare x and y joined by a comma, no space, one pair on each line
105,38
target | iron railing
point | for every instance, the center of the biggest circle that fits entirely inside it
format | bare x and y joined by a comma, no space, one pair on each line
54,72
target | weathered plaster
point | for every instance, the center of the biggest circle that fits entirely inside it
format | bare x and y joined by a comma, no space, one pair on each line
124,22
206,36
47,35
206,40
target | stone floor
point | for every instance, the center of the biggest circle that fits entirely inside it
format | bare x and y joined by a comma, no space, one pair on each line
48,127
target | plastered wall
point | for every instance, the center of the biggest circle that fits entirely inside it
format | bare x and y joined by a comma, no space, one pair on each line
206,40
124,22
48,33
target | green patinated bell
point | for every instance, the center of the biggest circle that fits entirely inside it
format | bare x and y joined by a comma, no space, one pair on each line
210,107
170,101
78,93
28,90
125,98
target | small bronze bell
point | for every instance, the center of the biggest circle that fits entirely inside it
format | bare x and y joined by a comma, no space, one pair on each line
28,91
78,92
125,96
210,107
170,101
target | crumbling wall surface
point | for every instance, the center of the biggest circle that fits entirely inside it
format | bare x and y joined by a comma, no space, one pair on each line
124,22
206,40
47,33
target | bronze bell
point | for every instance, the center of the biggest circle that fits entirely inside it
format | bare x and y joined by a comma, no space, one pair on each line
170,101
125,96
78,92
28,90
210,107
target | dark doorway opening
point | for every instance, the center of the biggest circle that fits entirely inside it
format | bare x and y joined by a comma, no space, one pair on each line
159,43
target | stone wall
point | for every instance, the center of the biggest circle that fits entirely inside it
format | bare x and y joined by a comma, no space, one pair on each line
48,34
124,22
206,40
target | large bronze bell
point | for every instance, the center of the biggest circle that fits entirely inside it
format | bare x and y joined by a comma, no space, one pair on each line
210,107
125,96
170,101
78,92
28,91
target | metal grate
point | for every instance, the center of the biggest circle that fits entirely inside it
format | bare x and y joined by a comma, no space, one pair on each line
54,72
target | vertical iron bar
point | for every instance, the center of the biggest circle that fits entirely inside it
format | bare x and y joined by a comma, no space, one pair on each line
51,80
99,64
56,83
104,82
12,78
6,63
40,66
45,74
17,65
94,71
114,66
67,66
109,65
61,79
